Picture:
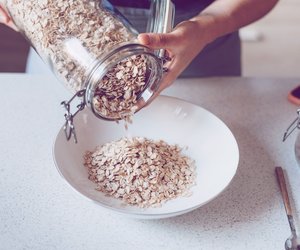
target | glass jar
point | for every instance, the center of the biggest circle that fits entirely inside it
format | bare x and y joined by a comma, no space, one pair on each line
94,52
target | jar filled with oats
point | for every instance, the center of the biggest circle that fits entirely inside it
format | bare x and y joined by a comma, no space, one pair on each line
94,52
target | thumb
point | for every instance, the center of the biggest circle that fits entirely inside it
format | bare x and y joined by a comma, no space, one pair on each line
156,41
5,18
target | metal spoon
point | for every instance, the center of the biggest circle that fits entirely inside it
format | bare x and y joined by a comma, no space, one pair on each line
293,242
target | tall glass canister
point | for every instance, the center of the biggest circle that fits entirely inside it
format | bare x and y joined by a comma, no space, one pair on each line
94,52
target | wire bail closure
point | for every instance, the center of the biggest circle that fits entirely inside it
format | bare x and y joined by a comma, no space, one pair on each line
295,124
69,127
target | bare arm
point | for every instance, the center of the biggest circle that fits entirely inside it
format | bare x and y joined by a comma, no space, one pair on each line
226,16
188,38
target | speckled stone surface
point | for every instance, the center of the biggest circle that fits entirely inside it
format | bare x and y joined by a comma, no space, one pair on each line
38,210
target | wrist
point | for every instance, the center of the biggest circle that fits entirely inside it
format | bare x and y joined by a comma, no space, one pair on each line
209,26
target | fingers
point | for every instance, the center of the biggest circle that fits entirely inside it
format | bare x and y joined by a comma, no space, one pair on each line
157,41
164,84
167,80
168,40
181,44
4,18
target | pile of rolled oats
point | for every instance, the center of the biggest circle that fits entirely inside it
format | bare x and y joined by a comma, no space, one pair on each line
140,171
71,35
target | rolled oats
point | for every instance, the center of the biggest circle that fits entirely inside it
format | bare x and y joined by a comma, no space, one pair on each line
118,92
122,169
71,36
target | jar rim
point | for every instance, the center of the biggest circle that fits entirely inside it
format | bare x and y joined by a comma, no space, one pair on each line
102,66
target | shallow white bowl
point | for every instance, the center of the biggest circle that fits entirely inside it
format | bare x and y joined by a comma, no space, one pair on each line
210,143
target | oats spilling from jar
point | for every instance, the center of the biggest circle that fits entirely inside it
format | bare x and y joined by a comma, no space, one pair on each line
117,94
140,171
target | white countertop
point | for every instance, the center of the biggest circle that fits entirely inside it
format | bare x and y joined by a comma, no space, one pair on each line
38,209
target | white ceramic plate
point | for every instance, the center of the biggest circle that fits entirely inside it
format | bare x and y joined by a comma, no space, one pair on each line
210,143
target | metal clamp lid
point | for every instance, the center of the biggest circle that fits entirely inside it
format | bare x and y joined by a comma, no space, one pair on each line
69,125
295,124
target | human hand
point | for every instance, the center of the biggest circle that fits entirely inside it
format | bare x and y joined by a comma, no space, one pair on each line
182,45
6,19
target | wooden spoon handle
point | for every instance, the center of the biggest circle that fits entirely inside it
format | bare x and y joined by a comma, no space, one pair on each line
283,190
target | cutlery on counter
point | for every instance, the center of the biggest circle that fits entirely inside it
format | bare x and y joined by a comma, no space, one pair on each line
293,242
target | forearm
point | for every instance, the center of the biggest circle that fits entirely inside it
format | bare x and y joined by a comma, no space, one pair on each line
225,16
